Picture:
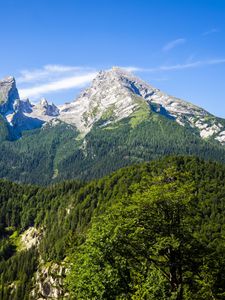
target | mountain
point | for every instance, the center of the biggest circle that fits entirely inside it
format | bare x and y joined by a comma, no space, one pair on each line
150,231
119,120
113,96
116,94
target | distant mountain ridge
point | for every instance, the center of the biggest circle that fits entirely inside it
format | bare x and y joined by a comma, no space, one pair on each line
113,95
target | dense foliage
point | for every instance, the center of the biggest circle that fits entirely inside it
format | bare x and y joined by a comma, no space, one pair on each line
149,231
55,153
3,130
148,247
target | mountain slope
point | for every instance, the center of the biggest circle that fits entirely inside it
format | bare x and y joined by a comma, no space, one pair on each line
118,121
114,94
61,154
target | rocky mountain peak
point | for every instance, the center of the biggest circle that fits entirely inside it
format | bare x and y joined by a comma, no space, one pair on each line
118,79
8,80
48,109
109,95
116,72
23,106
43,102
120,75
8,94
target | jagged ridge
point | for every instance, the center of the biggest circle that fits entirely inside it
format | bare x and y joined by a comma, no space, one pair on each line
112,96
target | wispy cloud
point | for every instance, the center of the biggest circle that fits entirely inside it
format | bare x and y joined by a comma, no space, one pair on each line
173,44
62,84
48,72
211,31
50,78
188,65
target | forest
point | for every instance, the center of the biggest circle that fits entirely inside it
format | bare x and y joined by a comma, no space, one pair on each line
149,231
64,154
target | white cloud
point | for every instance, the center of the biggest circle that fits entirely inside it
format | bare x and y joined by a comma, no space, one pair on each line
62,84
195,64
189,65
48,72
211,31
172,44
50,78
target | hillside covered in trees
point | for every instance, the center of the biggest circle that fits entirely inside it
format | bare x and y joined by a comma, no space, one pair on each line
55,153
149,231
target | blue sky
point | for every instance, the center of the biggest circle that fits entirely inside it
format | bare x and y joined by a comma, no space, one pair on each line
55,47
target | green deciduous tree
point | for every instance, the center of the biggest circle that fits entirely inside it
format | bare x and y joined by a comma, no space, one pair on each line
140,248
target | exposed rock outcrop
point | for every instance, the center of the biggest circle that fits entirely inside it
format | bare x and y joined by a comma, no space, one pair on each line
31,238
8,94
49,282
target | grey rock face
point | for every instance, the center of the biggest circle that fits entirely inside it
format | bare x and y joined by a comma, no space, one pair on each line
47,109
49,282
8,94
109,95
23,106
